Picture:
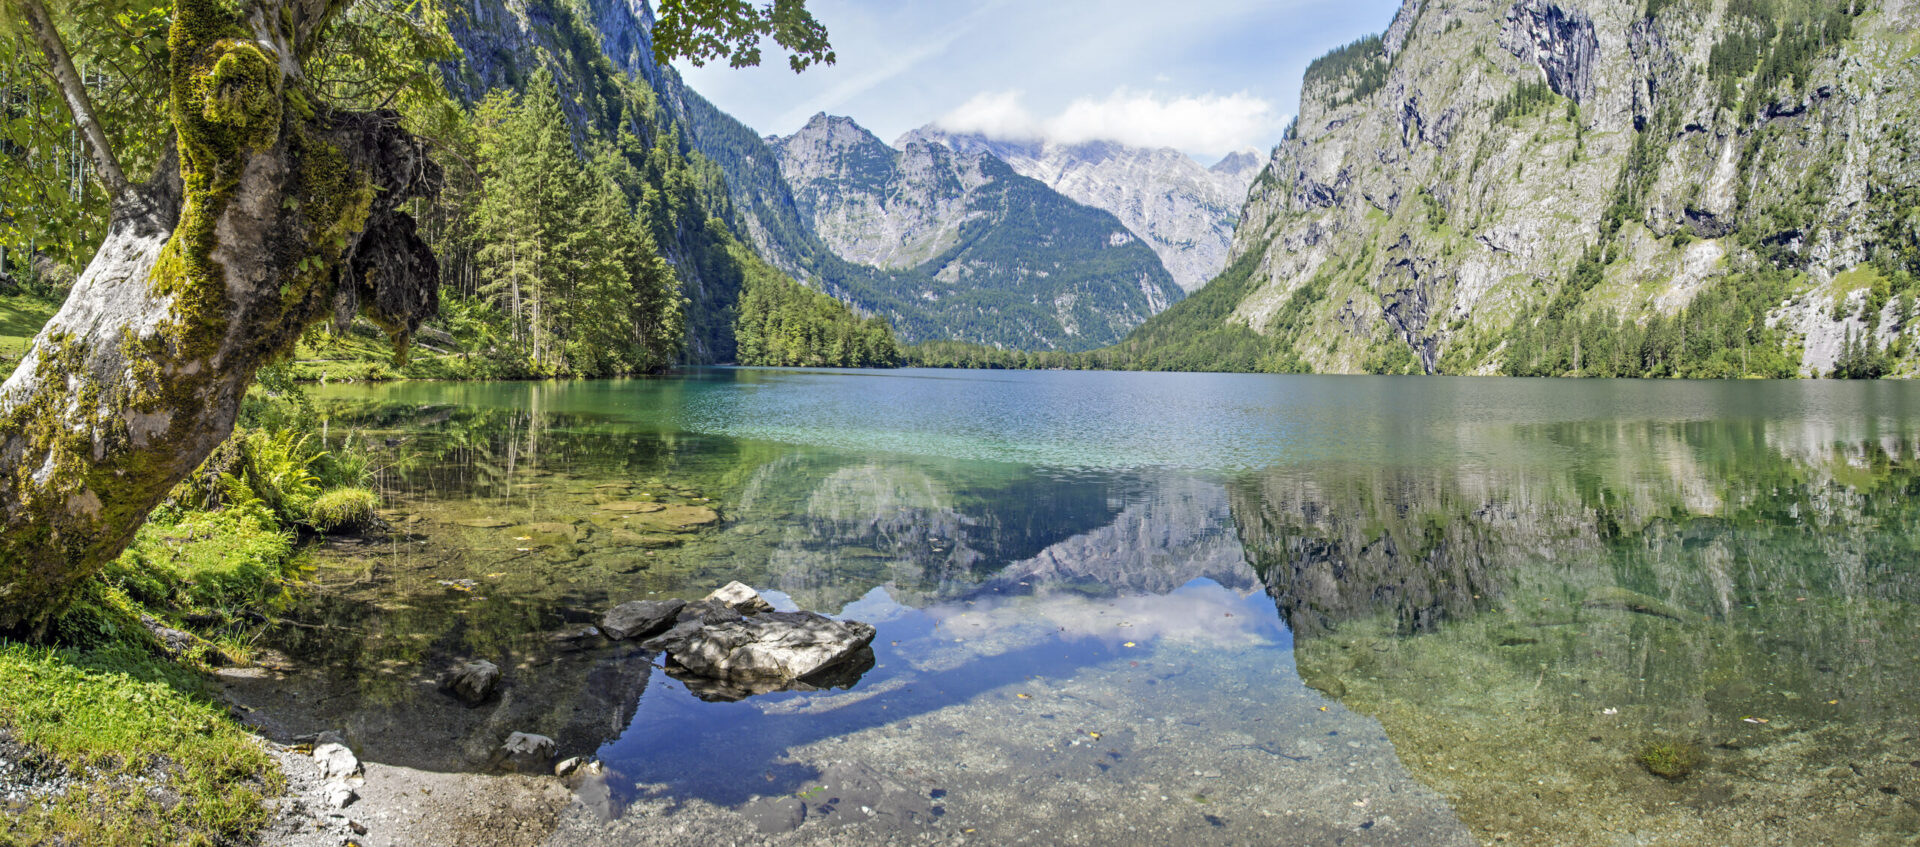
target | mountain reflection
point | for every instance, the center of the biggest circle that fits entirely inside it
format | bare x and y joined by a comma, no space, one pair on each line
1526,625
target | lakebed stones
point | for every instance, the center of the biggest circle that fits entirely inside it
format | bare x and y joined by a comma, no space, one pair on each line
732,645
472,682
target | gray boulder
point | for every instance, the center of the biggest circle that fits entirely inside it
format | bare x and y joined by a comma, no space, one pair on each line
472,682
775,646
741,598
640,618
528,753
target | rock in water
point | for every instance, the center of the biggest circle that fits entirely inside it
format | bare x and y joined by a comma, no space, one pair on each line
336,761
472,682
527,753
772,646
743,599
640,618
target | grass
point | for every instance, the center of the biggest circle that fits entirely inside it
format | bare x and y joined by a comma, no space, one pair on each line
148,755
204,565
153,759
21,316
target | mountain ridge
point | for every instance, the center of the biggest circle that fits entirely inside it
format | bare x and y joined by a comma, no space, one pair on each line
1185,211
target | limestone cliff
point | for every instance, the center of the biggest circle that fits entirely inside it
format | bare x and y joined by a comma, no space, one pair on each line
1488,181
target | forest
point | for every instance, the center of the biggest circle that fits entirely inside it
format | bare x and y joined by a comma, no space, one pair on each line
577,232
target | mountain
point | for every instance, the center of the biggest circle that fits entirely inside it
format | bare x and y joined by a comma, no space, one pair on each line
979,251
1600,187
1184,211
874,205
635,119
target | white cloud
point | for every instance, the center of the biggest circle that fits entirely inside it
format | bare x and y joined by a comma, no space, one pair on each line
993,114
1199,124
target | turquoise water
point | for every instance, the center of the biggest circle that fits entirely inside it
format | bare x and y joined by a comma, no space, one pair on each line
1369,609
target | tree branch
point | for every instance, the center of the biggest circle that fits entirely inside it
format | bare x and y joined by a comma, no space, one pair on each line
75,90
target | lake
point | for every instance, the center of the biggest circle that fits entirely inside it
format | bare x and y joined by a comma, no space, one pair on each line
1130,608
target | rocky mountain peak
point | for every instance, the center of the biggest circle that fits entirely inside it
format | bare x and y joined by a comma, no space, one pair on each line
1183,210
1236,163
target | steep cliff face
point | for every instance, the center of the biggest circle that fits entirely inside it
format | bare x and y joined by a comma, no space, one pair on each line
1184,211
955,245
1471,190
592,49
872,204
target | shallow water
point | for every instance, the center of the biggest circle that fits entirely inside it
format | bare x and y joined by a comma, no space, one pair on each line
1098,596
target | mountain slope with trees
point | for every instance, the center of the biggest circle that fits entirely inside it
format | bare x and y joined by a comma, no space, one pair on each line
967,248
1590,188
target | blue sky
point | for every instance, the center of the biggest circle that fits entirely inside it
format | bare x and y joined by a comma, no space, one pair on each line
1205,76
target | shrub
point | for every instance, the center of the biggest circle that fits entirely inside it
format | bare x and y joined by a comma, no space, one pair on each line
341,508
275,471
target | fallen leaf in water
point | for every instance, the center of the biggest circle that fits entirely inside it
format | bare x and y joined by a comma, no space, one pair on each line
1024,696
1833,702
1754,720
1128,644
1323,708
1093,735
523,538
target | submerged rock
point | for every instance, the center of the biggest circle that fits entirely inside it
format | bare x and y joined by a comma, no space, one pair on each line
640,618
472,682
577,638
527,753
775,815
842,674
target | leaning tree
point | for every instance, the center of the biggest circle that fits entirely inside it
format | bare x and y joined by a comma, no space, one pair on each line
270,209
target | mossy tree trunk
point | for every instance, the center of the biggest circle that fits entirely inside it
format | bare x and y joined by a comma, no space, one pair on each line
272,212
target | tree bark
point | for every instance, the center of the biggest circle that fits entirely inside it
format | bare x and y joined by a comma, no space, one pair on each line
75,90
271,210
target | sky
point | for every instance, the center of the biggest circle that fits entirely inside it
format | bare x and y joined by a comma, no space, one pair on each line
1208,77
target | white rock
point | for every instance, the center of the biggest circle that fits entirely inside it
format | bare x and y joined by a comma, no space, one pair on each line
772,645
742,598
340,795
336,761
